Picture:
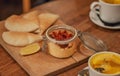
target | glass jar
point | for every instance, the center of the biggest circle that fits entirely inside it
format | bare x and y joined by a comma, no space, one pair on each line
63,40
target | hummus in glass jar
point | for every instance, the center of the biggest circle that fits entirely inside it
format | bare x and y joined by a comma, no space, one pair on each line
62,51
62,41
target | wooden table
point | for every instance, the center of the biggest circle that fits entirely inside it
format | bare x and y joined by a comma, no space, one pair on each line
72,12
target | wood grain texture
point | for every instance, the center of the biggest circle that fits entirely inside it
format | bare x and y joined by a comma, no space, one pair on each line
41,63
37,64
72,12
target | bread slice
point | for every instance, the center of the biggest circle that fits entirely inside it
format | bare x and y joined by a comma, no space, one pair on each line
46,20
33,15
20,38
20,24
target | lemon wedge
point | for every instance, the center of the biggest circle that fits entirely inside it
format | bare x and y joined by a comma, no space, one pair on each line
30,49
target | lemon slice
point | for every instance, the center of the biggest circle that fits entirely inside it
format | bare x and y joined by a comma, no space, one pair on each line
30,49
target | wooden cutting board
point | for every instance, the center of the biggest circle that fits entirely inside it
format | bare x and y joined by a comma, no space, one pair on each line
41,63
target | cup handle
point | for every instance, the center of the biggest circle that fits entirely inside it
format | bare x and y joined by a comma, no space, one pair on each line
94,6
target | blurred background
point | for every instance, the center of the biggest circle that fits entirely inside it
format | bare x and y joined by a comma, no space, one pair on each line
9,7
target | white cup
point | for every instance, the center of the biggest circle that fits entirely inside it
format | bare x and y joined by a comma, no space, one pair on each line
108,12
93,72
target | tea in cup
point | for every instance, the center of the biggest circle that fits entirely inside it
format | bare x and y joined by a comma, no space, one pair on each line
104,64
109,10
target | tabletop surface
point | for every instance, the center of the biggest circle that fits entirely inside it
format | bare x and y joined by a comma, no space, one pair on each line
74,13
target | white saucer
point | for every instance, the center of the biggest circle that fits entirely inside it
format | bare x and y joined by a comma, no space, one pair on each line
94,18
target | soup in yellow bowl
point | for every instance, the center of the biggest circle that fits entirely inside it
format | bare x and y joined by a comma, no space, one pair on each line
110,62
112,1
